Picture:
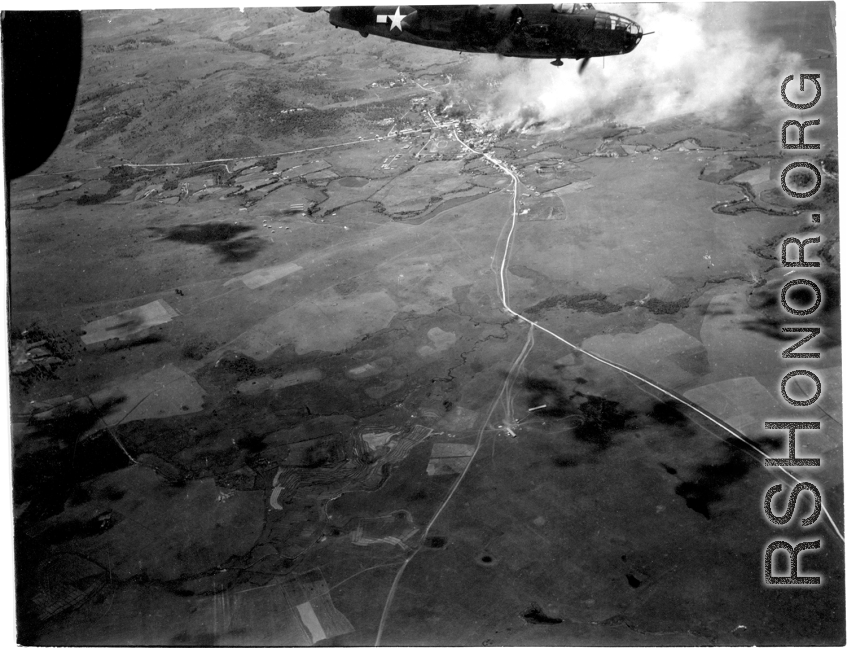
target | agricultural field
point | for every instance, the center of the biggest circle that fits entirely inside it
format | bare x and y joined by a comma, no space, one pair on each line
308,351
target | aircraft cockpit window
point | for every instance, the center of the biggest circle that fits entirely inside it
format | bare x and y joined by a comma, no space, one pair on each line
615,23
572,7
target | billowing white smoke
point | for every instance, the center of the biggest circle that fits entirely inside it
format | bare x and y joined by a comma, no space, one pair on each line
703,59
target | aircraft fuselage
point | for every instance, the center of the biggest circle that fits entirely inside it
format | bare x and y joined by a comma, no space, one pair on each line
528,31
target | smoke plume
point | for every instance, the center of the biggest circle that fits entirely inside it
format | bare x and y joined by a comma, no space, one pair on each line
703,59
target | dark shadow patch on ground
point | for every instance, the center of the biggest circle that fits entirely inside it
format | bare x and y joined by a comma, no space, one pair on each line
549,394
706,486
603,419
536,616
252,444
46,479
598,420
566,461
669,469
75,529
98,455
143,339
69,421
206,233
226,239
669,413
242,249
771,316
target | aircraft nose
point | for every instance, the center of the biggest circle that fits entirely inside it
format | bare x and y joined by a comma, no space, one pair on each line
633,36
625,34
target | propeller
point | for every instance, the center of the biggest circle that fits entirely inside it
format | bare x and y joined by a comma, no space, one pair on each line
584,64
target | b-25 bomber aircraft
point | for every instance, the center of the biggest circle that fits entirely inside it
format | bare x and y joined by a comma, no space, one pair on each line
572,30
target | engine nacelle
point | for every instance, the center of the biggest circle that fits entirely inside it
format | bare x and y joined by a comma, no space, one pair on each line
309,9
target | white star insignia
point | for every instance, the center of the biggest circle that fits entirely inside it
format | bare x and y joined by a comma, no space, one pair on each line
396,19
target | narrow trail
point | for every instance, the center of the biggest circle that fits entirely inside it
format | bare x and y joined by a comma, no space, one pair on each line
504,395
